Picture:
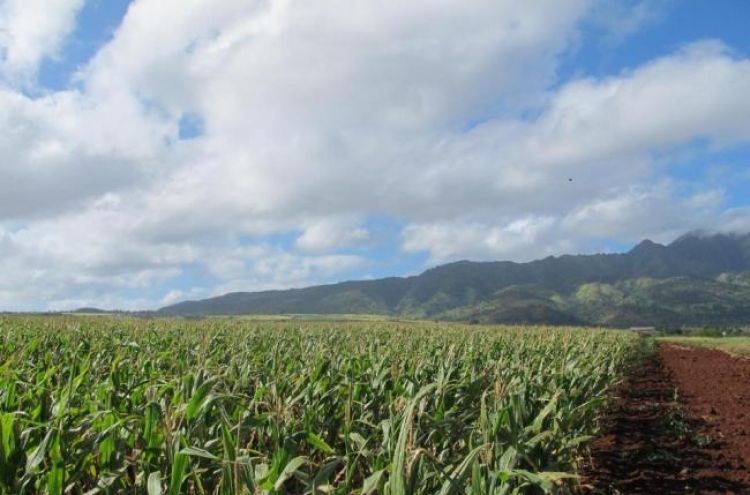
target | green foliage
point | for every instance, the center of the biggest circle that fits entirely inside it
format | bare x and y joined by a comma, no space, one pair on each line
219,407
739,345
717,331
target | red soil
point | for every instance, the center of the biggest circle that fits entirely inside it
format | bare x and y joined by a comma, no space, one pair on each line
680,426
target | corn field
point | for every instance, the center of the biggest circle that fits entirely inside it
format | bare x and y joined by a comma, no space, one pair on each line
121,406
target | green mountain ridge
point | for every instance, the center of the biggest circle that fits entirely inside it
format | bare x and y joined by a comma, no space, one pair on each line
695,280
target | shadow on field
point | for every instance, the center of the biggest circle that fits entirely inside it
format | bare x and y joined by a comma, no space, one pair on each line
652,447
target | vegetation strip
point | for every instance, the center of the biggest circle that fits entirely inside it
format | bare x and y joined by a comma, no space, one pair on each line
665,434
735,345
104,405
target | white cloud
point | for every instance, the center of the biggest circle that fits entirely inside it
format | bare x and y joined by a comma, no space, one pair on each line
733,220
31,30
618,20
263,267
523,239
176,295
331,234
629,215
654,211
695,93
591,161
63,149
86,254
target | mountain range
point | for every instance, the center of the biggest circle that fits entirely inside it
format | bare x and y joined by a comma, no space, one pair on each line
695,280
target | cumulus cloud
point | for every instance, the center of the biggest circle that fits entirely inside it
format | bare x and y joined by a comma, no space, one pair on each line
447,241
630,215
618,20
31,30
263,267
593,161
60,150
331,234
694,93
444,119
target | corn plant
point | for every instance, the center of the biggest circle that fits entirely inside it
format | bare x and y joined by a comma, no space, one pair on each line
229,407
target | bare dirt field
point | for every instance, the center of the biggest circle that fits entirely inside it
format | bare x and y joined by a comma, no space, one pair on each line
680,426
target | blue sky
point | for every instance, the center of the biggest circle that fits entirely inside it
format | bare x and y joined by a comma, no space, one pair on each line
162,150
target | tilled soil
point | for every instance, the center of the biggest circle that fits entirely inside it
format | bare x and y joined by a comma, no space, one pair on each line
679,426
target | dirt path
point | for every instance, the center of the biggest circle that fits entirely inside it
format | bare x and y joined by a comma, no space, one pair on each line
680,427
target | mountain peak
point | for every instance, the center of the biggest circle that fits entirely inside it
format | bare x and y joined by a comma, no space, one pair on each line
646,246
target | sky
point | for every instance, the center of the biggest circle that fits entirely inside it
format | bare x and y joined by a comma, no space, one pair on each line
154,151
